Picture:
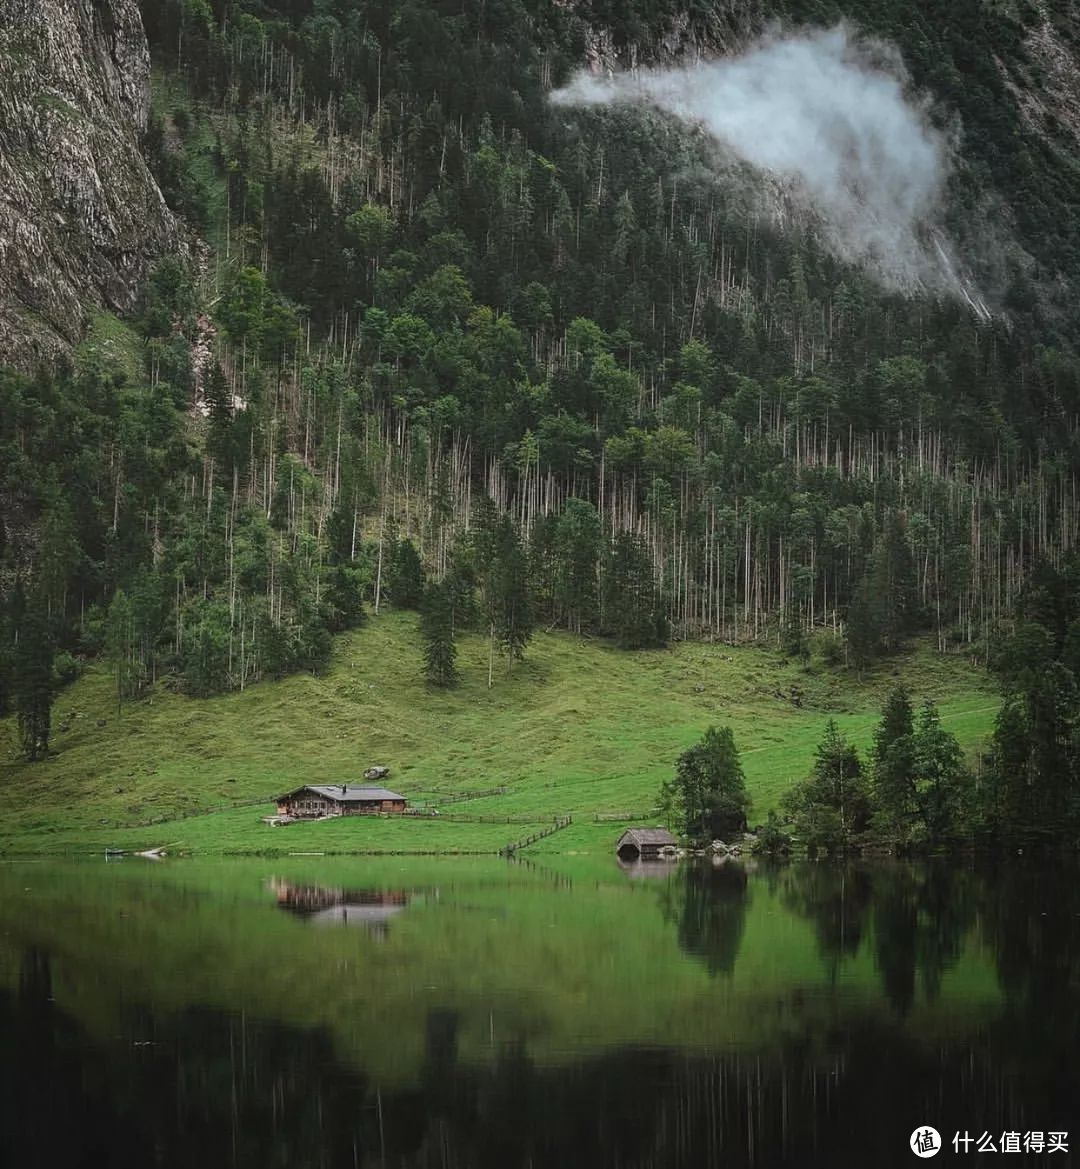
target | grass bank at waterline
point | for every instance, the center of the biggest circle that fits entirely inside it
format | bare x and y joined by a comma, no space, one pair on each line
580,728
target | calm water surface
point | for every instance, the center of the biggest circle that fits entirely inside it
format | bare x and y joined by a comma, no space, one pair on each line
408,1013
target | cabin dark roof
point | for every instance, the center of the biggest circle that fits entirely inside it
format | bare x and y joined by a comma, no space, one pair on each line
649,837
345,793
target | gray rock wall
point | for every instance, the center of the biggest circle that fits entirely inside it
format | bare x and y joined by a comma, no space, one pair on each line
81,218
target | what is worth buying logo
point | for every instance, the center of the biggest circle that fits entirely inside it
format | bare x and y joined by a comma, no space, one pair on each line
925,1141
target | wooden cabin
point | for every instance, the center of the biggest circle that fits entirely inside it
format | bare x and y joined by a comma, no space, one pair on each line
644,843
313,801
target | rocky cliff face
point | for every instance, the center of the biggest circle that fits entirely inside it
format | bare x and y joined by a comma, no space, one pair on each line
81,218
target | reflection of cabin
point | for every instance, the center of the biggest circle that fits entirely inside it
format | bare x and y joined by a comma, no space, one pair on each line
314,800
369,908
644,843
644,870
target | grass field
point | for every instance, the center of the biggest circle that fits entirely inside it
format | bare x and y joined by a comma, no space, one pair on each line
580,727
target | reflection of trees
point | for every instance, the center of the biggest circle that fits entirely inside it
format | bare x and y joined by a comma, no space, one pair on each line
1031,924
921,917
840,1088
709,904
916,915
212,1091
835,900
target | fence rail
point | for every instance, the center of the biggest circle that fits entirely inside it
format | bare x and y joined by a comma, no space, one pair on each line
443,798
623,817
560,823
465,818
191,813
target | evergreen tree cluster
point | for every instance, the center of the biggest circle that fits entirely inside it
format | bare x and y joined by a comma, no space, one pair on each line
914,791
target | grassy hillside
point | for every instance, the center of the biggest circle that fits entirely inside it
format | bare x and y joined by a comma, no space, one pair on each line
579,727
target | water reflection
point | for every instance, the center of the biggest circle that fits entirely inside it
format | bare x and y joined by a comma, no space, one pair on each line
916,917
807,1016
708,902
646,870
370,909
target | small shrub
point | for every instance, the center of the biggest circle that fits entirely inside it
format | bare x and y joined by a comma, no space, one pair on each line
66,667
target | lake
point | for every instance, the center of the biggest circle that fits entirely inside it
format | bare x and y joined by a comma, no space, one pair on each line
411,1012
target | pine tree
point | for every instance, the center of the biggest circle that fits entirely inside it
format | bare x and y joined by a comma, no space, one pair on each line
1008,802
515,613
120,646
942,784
33,681
219,404
831,806
437,630
894,764
577,546
883,610
406,582
631,601
59,552
894,581
502,571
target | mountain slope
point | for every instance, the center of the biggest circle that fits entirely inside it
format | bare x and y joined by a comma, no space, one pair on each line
82,218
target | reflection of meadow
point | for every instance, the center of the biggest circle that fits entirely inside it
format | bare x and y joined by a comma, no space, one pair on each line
560,963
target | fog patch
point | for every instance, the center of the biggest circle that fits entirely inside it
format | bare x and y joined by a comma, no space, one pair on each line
832,119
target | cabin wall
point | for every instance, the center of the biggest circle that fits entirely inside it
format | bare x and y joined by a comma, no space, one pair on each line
309,806
374,807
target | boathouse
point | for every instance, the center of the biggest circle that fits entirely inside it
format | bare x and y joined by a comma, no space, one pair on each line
644,843
313,801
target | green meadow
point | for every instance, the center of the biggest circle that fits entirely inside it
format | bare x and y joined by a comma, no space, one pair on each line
578,728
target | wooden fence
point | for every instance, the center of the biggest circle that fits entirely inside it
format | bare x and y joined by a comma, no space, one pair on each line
465,818
623,817
559,823
189,813
442,798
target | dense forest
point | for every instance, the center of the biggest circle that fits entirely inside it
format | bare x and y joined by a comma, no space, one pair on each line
438,344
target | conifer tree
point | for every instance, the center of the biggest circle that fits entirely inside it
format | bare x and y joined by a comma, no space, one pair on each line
831,806
578,546
437,631
942,778
120,646
219,404
883,611
894,764
515,614
631,602
406,582
33,682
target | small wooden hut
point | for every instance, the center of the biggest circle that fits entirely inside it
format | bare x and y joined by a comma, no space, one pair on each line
315,800
644,843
